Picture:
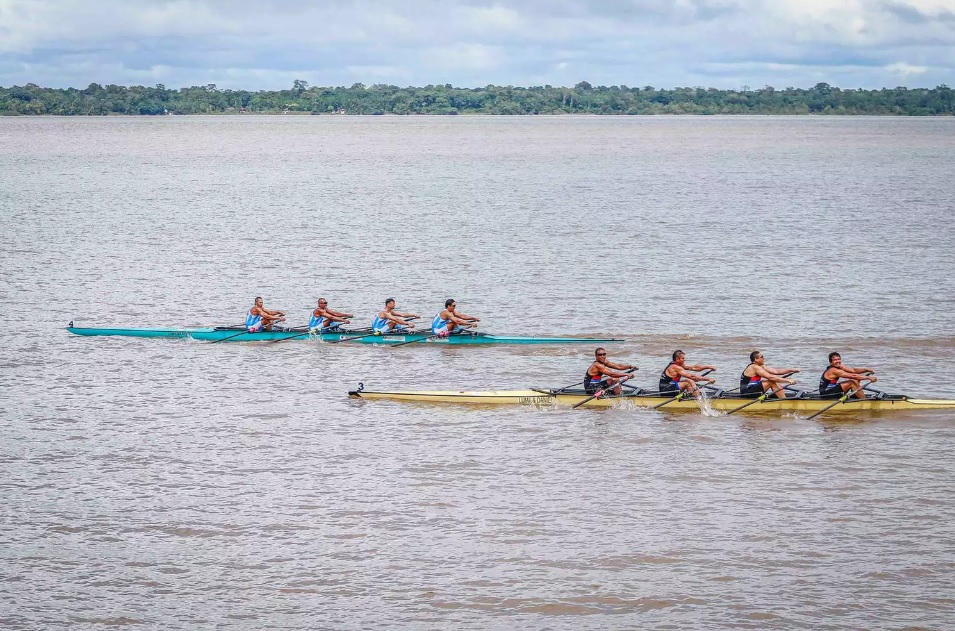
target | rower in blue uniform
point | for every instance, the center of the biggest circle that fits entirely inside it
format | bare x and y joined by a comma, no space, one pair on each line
757,378
676,377
603,374
838,379
449,321
389,320
325,320
261,319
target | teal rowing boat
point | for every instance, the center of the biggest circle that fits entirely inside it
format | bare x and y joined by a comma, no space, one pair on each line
239,334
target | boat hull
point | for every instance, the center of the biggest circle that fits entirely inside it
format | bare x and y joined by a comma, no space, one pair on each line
725,404
228,334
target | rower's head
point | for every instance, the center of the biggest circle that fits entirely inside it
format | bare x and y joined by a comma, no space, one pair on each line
600,354
258,301
835,359
679,357
322,302
756,358
449,304
390,303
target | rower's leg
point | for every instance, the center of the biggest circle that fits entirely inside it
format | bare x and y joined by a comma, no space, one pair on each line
858,393
690,386
770,385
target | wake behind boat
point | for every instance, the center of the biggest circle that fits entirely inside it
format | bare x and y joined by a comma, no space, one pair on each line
361,336
802,403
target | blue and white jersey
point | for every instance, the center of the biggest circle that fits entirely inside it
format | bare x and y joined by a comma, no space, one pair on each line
380,324
439,324
252,322
317,322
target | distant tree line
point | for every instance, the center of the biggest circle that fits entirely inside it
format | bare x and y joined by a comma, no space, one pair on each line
583,98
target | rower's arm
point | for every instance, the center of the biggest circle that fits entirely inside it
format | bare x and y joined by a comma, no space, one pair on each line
622,366
468,318
456,319
860,371
405,315
339,314
774,374
684,373
847,374
606,370
781,371
700,368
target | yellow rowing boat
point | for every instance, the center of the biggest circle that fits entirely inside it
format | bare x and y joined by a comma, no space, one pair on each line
723,403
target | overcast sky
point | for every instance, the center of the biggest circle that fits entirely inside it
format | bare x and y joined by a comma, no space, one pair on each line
267,44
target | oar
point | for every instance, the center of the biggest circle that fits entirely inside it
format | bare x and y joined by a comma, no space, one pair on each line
580,383
877,392
599,393
758,399
420,339
841,399
291,337
570,386
679,396
360,337
351,339
430,337
761,397
223,339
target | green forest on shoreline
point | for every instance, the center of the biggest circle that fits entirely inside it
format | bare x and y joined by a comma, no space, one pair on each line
583,98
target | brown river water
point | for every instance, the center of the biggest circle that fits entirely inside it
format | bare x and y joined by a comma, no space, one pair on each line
175,484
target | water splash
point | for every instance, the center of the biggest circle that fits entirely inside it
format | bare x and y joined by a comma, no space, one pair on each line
704,403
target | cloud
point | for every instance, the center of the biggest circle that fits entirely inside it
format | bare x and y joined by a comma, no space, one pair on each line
905,70
265,44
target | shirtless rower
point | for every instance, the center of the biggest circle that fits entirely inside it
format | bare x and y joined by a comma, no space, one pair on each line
830,384
604,374
758,378
324,319
451,321
261,319
676,377
390,320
